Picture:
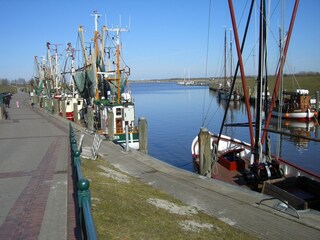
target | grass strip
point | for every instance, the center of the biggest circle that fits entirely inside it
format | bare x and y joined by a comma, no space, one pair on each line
125,208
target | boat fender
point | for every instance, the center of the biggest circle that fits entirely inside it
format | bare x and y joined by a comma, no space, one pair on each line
268,170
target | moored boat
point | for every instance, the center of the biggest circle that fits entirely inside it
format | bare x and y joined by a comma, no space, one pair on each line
102,82
295,105
246,164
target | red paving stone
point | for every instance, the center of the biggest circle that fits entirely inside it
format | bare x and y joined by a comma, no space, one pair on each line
25,217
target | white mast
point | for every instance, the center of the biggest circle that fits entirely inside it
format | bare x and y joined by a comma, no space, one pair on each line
96,16
50,63
118,71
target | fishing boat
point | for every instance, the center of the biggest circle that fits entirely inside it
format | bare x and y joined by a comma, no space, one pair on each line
247,164
295,105
50,85
102,81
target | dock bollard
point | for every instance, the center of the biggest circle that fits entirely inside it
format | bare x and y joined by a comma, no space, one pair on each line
110,116
55,106
75,112
143,135
205,154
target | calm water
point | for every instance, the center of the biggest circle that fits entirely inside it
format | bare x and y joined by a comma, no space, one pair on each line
175,114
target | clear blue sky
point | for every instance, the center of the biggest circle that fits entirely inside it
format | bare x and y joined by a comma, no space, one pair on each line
165,37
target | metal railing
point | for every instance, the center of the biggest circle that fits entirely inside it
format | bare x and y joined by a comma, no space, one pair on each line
84,195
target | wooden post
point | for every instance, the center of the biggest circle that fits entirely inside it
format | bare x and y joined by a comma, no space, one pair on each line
103,119
46,104
63,108
205,154
35,99
143,135
90,118
50,109
317,101
55,106
110,116
41,102
1,106
75,112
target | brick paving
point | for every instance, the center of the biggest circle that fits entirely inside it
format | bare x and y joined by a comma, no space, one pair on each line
24,206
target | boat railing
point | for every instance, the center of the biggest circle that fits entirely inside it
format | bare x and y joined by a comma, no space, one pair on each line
84,196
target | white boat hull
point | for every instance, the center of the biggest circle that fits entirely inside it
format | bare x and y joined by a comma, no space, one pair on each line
297,114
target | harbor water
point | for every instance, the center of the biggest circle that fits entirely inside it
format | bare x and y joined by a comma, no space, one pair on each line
176,113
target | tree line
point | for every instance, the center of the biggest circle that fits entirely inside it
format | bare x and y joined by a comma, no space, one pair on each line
19,81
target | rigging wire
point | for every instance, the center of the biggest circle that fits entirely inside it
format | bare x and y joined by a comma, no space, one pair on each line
207,55
237,68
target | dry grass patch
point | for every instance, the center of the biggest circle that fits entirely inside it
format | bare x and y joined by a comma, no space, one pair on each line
125,208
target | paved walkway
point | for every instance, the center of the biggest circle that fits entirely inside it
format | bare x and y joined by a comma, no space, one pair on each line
35,175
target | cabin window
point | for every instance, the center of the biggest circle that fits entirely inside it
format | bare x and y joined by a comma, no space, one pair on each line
118,111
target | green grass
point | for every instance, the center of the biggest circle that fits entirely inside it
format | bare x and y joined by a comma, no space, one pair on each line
121,210
290,83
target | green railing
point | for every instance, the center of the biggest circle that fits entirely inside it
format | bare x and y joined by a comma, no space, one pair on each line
84,196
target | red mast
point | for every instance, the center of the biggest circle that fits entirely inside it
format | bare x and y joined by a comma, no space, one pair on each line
243,78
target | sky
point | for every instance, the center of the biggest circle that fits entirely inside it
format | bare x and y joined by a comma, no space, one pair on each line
167,38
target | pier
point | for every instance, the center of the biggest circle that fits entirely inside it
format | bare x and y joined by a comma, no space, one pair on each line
38,195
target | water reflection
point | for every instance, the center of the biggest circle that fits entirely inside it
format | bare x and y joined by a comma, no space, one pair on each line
176,113
300,131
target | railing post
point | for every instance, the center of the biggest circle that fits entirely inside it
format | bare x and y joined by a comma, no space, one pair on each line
84,195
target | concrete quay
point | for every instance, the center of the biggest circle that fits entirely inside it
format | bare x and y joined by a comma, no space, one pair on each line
234,205
37,194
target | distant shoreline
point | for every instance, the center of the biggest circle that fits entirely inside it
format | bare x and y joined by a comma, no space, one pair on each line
309,81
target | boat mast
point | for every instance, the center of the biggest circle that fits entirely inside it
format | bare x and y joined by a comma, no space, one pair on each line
282,61
240,65
50,67
225,57
80,31
262,45
231,54
56,79
118,54
103,40
96,47
56,69
281,38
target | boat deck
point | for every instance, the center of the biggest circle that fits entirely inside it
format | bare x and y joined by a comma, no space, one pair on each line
220,172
